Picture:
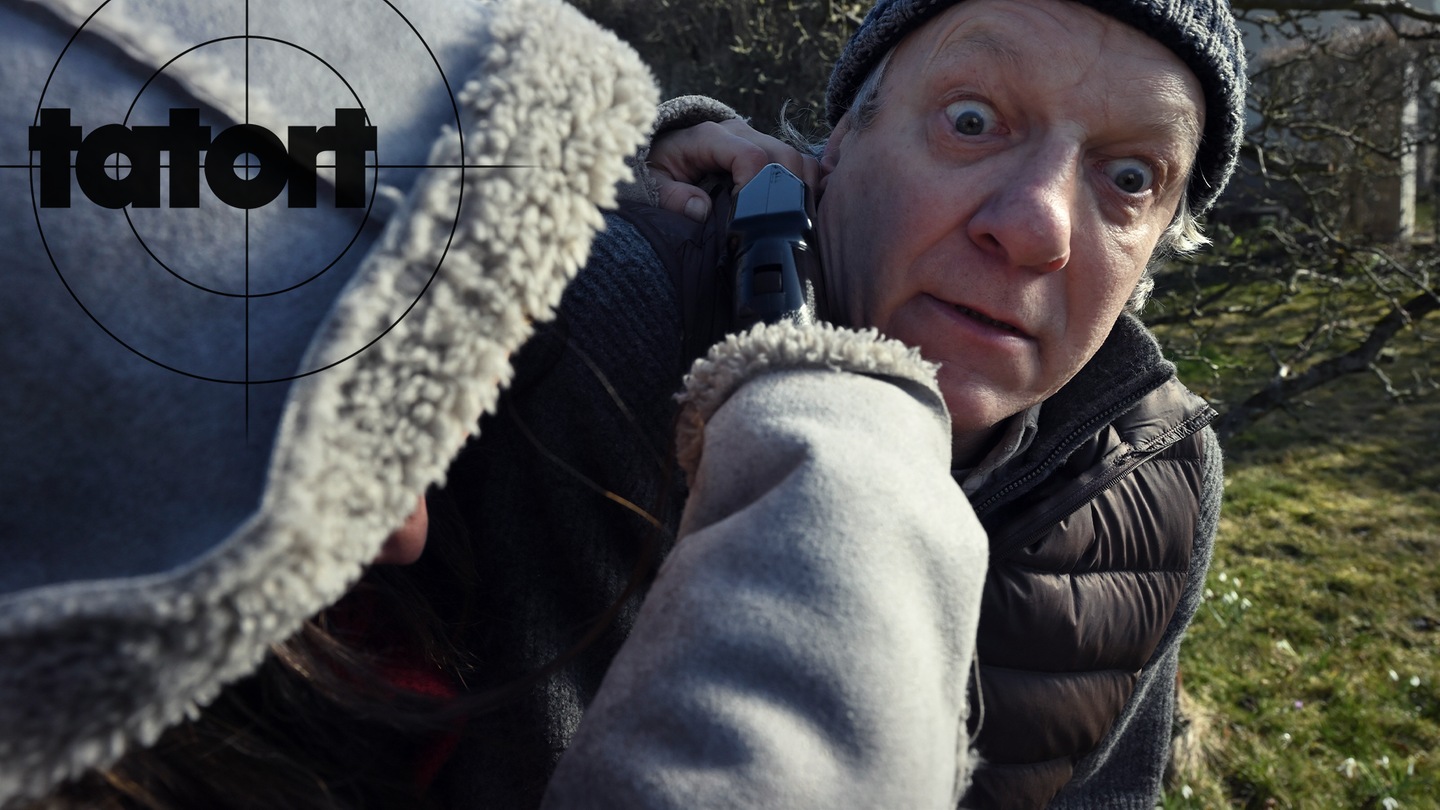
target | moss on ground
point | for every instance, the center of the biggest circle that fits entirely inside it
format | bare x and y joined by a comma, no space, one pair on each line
1316,657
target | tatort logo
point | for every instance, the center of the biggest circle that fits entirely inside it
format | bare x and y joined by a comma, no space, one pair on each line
210,178
183,140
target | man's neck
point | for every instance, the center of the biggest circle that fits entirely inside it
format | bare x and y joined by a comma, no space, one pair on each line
1001,445
968,450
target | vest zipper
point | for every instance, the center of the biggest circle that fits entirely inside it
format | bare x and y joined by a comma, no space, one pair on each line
1061,452
1007,543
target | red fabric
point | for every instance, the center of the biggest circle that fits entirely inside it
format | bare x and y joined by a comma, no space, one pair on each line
422,677
406,667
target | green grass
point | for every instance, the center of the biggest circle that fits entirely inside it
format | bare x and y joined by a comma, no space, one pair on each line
1317,654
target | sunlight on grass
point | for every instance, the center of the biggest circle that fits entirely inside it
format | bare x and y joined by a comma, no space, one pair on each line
1316,655
1318,641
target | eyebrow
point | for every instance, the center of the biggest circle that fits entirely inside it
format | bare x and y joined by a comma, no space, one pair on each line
977,40
1172,115
1183,120
1180,118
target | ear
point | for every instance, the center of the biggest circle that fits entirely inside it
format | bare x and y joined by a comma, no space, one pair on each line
834,147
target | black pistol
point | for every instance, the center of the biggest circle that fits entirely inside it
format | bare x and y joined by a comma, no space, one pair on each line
775,267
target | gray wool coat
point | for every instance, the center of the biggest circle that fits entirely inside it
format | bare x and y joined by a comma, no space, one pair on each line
807,640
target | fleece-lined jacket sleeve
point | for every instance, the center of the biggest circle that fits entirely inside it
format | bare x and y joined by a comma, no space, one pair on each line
809,640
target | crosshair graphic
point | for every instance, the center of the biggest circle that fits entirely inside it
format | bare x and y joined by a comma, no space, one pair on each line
245,171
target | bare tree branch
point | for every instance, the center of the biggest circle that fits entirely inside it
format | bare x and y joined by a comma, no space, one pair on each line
1283,387
1377,8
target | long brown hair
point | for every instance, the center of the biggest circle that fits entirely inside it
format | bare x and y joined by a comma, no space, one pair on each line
319,725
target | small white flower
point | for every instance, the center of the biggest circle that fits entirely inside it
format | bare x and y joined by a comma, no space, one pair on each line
1186,792
1284,646
1246,604
1394,676
1285,739
1383,761
1414,680
1237,582
1223,577
1209,594
1389,803
1349,768
1231,598
1410,769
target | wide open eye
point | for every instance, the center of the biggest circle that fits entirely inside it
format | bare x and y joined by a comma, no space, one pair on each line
1130,175
972,117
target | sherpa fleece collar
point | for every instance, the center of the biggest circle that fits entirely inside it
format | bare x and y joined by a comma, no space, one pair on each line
784,346
92,668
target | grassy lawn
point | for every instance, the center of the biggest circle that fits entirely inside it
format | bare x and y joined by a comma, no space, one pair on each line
1316,658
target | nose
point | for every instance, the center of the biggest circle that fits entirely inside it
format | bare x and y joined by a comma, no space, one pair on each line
1025,220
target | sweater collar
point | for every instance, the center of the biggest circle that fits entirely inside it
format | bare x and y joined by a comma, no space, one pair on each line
1128,366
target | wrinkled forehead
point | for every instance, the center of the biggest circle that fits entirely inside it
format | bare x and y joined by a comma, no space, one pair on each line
1061,42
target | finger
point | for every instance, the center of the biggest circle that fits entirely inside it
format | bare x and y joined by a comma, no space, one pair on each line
748,157
796,162
810,171
687,155
683,198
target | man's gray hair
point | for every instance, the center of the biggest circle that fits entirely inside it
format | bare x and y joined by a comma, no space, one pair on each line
1181,237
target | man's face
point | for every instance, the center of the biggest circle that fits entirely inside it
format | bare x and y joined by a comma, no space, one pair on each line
1002,205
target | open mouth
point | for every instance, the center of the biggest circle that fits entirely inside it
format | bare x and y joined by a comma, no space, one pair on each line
987,320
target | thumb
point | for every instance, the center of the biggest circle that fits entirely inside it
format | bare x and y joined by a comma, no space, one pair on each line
683,198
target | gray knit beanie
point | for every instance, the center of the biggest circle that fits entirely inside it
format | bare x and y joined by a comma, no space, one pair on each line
1201,32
